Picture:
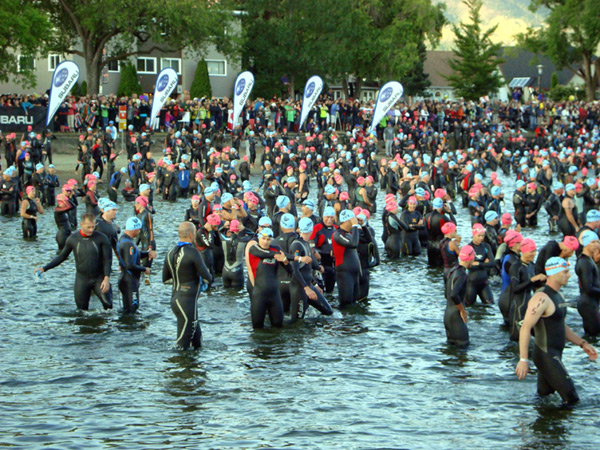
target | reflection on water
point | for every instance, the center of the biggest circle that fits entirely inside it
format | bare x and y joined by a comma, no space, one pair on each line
377,375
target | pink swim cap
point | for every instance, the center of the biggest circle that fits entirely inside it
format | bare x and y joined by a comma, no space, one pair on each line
466,253
527,245
344,196
412,199
360,180
214,220
234,226
358,210
29,190
448,228
473,191
506,219
571,243
478,229
141,200
532,186
493,175
439,193
391,206
513,238
389,197
196,199
366,213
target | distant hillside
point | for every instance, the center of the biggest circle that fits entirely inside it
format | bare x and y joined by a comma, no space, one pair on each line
512,17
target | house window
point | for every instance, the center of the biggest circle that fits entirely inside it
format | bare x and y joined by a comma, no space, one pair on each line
25,63
216,68
53,61
146,65
173,63
114,66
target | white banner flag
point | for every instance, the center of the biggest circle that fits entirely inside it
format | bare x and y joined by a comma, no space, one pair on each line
166,81
388,95
64,78
241,91
312,90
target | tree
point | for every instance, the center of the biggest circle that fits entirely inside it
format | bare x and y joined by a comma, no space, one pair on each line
417,81
104,31
24,30
476,64
201,84
129,83
553,80
570,37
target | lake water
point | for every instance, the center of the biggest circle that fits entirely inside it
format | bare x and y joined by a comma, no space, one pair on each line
379,375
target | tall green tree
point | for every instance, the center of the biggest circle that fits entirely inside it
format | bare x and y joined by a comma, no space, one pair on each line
476,64
24,31
103,31
417,81
201,84
129,84
570,37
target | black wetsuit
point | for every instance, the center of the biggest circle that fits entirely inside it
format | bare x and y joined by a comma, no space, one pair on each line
323,239
131,269
368,254
434,221
478,283
411,245
347,265
93,259
61,217
565,226
265,295
29,226
520,204
589,289
185,268
522,287
146,237
449,257
393,229
456,288
551,249
303,277
547,353
506,296
109,229
284,241
234,250
204,244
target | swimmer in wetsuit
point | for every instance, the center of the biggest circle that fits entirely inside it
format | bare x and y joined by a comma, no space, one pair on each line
522,281
347,265
263,260
567,218
93,259
185,269
513,240
130,265
589,283
455,315
30,207
234,246
478,283
450,247
302,289
546,314
322,236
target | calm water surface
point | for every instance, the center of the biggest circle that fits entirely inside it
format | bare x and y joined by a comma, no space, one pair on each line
376,376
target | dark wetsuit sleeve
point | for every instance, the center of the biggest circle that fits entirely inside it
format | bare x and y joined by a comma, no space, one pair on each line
344,241
519,279
62,256
259,252
129,260
166,273
459,280
106,252
586,278
201,268
402,221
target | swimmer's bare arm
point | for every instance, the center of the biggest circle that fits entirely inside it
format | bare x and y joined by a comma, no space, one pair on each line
585,345
537,307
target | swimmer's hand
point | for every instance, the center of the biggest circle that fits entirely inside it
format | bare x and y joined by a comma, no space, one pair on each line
37,271
306,259
463,312
105,286
539,277
310,293
591,351
522,369
280,257
152,254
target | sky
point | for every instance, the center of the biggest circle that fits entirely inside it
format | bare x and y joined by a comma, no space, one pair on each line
512,17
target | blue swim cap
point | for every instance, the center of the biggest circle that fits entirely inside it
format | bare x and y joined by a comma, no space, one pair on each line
490,215
110,205
329,212
123,170
520,184
593,215
329,189
590,182
569,187
226,197
309,204
282,201
144,187
265,222
437,203
305,225
496,190
133,223
39,166
420,192
587,237
265,232
572,169
346,215
287,221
